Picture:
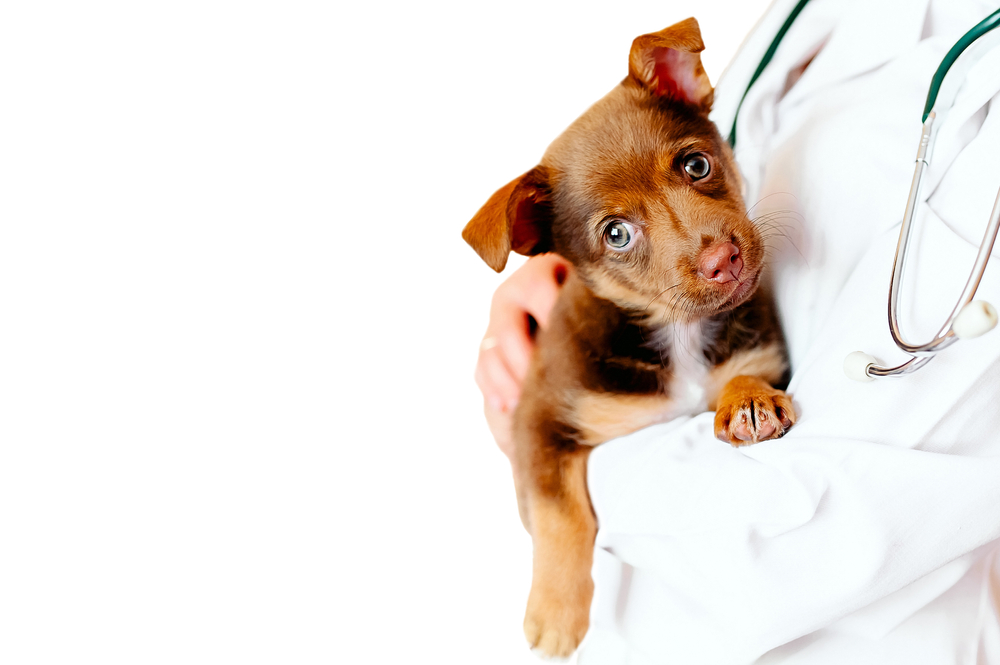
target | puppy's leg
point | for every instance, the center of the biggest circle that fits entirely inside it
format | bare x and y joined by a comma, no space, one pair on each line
522,502
749,410
563,528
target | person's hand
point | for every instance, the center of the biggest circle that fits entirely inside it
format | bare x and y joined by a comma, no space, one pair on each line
522,301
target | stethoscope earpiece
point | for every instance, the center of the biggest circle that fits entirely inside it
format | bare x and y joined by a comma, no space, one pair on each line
974,319
856,366
977,318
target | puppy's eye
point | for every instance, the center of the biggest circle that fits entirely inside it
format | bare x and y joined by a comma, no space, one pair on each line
619,234
697,166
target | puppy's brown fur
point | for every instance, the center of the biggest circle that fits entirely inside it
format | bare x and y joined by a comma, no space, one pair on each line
671,323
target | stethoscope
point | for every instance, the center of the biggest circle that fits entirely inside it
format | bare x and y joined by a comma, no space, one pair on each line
970,318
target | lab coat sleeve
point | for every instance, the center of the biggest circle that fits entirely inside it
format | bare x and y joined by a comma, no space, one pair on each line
711,554
731,554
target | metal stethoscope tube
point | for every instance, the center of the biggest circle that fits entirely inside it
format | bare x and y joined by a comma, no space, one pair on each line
969,318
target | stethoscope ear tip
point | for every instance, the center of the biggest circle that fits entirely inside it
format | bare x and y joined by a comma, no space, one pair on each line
977,318
856,366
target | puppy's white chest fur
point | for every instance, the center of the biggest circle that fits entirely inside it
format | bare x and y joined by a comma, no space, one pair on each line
682,344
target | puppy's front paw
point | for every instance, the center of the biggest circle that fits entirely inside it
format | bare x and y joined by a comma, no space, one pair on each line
749,410
554,624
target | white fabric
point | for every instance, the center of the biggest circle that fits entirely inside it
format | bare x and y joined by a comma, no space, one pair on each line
868,534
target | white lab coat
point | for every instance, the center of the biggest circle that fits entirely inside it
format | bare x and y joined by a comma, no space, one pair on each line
868,534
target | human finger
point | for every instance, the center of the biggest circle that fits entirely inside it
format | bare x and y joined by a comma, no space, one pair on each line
529,294
536,285
500,426
500,388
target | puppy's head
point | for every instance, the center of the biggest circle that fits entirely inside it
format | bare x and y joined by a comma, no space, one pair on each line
641,193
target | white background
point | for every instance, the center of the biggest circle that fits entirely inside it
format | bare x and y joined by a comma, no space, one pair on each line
238,322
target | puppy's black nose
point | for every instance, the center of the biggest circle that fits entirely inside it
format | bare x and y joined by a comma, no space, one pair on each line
720,263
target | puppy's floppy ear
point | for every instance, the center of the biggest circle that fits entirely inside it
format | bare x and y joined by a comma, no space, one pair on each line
517,217
668,65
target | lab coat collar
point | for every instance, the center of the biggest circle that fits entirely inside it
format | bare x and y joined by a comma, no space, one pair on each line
853,42
734,79
865,37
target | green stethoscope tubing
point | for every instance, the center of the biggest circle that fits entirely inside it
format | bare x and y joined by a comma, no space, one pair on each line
977,31
764,63
989,23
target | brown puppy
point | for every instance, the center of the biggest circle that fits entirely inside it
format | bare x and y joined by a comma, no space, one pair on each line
661,316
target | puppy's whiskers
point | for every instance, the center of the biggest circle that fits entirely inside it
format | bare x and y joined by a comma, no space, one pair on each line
761,200
657,296
770,226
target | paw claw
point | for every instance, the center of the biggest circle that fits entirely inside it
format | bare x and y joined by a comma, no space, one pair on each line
755,415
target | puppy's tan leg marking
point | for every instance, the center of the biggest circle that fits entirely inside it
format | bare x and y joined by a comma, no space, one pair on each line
601,417
563,530
765,362
750,410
